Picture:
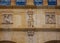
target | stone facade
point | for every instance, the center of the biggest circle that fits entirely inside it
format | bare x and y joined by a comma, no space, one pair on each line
22,19
22,37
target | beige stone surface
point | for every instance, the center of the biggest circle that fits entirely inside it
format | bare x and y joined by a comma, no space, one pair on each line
22,37
20,18
58,2
20,21
13,2
30,2
45,3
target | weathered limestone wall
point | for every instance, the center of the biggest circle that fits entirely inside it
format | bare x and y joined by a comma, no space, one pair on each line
22,37
20,18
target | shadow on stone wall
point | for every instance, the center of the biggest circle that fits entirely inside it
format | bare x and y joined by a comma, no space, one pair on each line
5,41
53,41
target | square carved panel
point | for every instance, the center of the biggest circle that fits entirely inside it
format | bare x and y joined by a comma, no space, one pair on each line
7,19
50,18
